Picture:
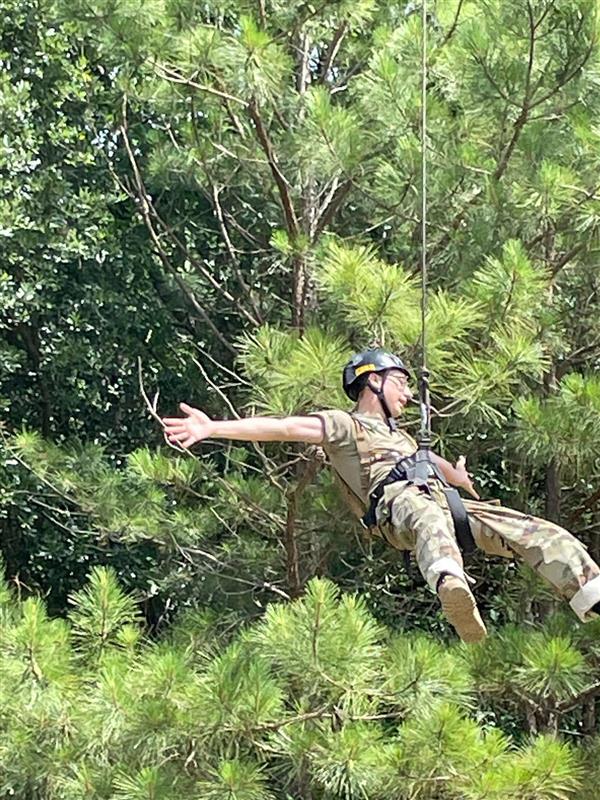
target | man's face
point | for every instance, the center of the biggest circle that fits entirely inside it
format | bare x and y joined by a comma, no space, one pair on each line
396,390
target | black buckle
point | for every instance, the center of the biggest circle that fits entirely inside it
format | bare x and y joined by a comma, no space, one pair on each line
397,473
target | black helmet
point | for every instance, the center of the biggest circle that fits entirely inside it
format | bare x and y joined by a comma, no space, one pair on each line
366,362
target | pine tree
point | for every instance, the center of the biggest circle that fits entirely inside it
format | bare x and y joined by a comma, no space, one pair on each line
342,708
300,135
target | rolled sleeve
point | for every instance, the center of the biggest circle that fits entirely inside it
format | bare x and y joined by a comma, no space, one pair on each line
338,428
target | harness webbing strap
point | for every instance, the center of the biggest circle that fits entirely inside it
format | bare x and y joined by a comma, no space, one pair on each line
460,518
418,470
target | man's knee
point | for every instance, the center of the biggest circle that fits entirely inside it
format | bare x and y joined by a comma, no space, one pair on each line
489,542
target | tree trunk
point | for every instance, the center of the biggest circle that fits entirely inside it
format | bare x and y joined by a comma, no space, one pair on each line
532,723
553,487
553,482
299,293
300,270
292,556
304,477
589,715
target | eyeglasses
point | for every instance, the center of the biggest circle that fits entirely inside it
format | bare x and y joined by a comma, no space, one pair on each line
400,380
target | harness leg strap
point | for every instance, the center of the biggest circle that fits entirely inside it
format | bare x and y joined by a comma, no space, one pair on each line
460,518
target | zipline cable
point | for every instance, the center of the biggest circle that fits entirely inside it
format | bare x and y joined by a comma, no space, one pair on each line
425,430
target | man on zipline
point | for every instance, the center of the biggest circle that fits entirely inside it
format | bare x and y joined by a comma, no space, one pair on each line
375,463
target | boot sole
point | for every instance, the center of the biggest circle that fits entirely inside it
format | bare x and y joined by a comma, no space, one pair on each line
460,609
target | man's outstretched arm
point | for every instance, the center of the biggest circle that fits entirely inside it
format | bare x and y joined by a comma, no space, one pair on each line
196,426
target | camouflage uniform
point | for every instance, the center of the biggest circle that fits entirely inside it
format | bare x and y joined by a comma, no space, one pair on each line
410,519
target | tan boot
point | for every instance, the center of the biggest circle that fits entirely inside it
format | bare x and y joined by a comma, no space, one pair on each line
460,608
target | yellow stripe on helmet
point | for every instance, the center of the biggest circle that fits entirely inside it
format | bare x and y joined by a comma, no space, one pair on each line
365,368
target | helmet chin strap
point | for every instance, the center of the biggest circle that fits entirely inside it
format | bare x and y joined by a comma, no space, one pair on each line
378,392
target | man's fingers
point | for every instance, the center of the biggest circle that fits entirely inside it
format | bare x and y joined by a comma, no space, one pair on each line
462,460
468,486
175,424
175,428
181,440
187,409
172,421
179,437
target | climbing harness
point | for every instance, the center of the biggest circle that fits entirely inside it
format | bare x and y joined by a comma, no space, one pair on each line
408,469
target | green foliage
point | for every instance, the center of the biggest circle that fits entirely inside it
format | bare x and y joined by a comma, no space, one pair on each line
440,745
293,375
539,673
40,644
236,780
510,290
382,300
237,186
545,769
245,723
238,693
350,763
420,672
554,669
564,426
101,611
325,650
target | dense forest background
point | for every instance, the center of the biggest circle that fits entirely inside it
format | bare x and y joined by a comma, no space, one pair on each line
218,203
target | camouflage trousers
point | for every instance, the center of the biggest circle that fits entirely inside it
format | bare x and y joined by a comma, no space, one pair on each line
414,520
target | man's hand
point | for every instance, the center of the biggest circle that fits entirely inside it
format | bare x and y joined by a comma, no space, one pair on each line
463,478
186,431
456,475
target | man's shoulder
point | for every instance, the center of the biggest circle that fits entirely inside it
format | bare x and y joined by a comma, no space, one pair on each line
339,426
333,413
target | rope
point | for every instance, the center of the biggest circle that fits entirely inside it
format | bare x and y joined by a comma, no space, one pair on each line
424,182
425,430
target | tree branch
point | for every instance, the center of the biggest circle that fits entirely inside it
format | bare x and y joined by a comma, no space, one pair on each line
333,50
572,703
232,254
454,25
331,205
173,76
290,537
268,465
561,262
148,212
144,208
280,180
